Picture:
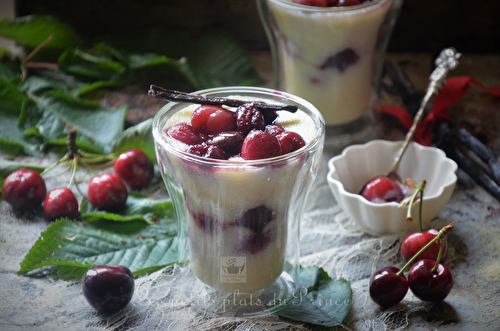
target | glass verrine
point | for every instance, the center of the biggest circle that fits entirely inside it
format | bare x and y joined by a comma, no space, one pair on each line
330,56
238,221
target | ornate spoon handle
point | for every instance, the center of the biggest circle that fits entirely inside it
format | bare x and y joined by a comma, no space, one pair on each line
446,61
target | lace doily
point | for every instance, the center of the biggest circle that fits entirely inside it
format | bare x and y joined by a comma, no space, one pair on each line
329,239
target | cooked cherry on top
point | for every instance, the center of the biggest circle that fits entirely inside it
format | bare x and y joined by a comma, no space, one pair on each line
221,133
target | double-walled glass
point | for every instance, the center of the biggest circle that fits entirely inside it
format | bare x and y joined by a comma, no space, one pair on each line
238,221
330,56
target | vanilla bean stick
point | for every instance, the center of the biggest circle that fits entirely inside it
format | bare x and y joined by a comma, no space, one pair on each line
446,143
483,152
170,95
472,170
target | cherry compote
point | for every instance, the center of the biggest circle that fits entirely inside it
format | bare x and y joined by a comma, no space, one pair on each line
260,145
186,134
248,117
290,141
209,119
219,133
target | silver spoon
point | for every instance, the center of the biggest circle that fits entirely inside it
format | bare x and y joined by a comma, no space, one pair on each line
445,62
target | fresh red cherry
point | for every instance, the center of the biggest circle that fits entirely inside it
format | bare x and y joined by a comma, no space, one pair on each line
383,189
428,284
108,288
414,242
107,192
185,133
248,117
260,145
24,188
61,202
387,288
134,168
213,119
290,141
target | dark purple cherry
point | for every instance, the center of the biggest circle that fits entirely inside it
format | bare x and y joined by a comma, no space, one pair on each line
108,288
256,218
430,285
387,288
255,243
341,60
229,142
208,151
248,117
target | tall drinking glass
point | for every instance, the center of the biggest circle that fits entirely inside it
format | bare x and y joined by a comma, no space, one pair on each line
331,56
238,220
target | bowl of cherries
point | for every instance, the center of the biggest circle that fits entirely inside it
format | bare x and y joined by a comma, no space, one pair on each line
376,202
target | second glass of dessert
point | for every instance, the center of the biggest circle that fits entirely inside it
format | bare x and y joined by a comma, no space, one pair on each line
330,52
238,173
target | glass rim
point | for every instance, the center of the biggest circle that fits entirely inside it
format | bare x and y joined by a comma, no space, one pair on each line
318,120
314,9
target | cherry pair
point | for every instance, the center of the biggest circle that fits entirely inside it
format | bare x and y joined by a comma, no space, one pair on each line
429,280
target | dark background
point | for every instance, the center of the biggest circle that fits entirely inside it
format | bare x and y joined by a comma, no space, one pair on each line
423,25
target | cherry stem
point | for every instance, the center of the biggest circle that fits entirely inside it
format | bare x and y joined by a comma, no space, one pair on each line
420,207
441,234
62,162
24,63
89,168
102,158
419,191
441,245
74,165
71,143
104,165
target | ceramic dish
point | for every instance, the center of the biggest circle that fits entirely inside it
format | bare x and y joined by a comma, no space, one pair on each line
351,170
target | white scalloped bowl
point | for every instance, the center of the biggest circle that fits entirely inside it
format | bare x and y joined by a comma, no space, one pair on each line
351,170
